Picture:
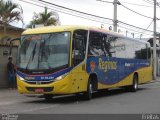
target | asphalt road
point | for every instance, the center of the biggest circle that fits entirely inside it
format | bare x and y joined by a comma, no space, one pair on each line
117,101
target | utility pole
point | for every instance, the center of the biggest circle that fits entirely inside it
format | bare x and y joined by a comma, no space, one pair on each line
132,34
115,2
141,36
126,33
154,44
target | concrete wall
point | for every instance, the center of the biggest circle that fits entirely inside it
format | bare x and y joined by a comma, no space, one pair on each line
3,64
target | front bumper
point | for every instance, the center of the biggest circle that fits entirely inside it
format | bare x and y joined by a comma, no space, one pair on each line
57,87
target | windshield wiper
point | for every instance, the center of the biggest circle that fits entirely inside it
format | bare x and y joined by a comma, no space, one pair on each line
33,53
42,52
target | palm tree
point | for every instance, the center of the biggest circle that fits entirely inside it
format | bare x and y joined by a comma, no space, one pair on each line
46,18
9,12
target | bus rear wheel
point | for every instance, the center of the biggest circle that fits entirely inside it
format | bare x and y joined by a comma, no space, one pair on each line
89,92
48,96
134,86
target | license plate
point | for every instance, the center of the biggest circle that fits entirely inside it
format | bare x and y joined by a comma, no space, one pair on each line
39,90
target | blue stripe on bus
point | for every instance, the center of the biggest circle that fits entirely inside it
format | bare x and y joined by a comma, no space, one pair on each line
112,70
43,77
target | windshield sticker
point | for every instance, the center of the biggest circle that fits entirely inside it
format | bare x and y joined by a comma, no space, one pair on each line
34,37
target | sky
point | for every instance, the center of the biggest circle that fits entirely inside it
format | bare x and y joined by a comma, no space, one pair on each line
98,8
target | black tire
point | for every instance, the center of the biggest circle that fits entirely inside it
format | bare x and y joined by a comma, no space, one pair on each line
48,96
89,92
134,86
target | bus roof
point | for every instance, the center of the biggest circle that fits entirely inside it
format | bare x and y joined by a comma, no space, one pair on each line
50,29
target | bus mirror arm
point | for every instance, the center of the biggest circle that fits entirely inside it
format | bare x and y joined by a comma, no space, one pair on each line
11,44
15,39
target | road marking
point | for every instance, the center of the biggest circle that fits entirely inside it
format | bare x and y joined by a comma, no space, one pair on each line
8,102
39,108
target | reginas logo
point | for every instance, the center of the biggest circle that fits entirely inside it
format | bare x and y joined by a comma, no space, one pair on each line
107,65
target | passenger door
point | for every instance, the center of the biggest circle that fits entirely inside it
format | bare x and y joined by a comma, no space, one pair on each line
79,74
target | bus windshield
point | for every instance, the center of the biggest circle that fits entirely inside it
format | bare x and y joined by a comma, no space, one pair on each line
44,51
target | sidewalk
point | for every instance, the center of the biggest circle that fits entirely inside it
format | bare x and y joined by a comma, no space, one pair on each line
6,92
13,93
157,79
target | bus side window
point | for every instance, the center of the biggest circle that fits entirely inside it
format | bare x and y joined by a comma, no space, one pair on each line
95,44
120,47
142,51
79,46
108,45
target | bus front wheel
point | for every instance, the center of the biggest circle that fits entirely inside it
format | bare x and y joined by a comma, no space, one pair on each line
89,92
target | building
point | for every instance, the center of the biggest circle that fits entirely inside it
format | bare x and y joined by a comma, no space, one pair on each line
12,32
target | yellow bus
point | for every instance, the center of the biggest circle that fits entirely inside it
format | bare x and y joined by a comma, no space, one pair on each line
60,60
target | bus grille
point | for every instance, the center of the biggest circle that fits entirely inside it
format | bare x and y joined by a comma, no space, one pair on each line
38,82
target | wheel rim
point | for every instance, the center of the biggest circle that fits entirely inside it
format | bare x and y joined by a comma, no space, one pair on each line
135,85
90,88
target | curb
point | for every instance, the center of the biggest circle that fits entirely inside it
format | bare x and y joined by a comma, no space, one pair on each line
154,81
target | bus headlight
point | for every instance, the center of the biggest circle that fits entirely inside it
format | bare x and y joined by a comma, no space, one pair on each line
60,77
20,78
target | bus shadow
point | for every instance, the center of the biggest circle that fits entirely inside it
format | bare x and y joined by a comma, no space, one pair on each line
113,92
66,99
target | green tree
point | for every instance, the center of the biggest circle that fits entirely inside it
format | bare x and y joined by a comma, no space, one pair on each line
46,18
9,12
